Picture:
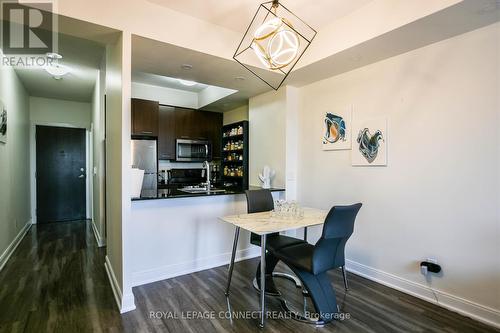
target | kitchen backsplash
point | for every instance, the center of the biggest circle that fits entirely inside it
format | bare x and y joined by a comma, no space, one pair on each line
167,165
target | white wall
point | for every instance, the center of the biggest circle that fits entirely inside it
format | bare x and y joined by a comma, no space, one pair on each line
15,214
439,195
118,114
98,157
235,115
178,236
212,94
47,110
180,98
166,96
267,123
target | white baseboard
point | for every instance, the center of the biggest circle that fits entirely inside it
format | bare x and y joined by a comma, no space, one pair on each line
125,303
170,271
100,241
456,304
12,246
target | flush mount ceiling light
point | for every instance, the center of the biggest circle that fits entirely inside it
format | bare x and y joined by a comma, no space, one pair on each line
273,44
187,82
57,71
54,68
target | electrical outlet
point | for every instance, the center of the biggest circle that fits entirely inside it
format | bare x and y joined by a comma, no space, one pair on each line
423,270
429,265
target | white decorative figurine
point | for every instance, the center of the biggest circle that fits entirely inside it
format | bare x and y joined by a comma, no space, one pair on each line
266,176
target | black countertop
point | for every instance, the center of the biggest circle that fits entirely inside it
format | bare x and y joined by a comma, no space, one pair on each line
175,193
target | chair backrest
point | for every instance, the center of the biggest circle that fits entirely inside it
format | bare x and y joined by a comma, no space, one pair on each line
259,201
329,251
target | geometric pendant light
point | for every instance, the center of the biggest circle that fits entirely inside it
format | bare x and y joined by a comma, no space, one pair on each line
273,44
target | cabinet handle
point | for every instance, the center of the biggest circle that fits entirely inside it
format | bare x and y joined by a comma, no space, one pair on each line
146,132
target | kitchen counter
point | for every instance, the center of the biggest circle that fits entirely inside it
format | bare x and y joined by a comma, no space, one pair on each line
175,193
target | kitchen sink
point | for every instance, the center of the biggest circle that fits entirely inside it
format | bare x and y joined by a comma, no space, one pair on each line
200,190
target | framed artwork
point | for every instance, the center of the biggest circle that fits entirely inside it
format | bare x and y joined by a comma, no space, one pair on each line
3,123
370,148
336,129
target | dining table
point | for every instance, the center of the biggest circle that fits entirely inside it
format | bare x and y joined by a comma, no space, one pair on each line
263,224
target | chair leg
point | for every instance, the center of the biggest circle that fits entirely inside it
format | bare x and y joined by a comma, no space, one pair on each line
322,295
345,278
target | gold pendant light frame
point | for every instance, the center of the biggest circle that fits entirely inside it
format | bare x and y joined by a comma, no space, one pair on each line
280,44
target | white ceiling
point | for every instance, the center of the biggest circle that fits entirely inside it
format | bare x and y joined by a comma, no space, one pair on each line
165,81
83,57
164,59
82,45
237,14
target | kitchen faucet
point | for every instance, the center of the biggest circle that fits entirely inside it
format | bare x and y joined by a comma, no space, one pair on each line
206,165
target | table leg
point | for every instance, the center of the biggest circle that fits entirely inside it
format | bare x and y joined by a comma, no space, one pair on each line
262,280
233,255
305,234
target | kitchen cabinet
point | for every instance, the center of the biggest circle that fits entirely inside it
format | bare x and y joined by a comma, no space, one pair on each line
166,133
194,124
213,126
235,164
187,124
144,117
169,123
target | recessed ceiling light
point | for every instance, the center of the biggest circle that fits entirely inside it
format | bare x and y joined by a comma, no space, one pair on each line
187,67
187,82
240,78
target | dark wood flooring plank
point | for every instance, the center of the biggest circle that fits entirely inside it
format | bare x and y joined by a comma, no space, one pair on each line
56,282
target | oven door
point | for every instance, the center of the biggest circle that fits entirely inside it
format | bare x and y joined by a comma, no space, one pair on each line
193,150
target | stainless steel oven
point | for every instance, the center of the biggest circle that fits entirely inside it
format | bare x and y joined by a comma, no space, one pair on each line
188,150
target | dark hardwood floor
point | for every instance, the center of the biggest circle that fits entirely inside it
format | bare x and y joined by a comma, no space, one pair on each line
56,282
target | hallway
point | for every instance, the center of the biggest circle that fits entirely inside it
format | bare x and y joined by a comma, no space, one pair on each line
56,282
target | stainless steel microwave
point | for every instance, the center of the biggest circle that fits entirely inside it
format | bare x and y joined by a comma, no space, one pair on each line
189,150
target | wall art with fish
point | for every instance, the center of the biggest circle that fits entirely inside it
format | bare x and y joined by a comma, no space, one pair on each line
336,129
370,146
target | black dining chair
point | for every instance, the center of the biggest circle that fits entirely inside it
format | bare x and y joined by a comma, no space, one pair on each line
262,201
311,262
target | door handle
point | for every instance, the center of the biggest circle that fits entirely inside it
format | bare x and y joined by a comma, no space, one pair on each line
81,176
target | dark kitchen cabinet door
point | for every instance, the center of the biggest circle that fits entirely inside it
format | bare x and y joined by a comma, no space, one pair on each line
187,124
166,133
144,117
214,128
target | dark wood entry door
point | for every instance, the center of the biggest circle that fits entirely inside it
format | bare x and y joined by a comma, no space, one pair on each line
60,174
